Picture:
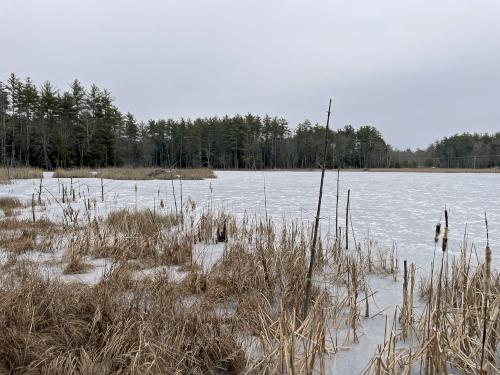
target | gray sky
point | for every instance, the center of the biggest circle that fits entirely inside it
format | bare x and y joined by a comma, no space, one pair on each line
417,70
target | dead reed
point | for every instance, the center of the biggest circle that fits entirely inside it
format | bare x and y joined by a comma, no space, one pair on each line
9,204
9,174
457,328
126,173
234,316
162,308
22,235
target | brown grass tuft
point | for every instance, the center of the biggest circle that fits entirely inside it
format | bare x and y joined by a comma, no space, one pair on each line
136,173
9,174
9,205
143,221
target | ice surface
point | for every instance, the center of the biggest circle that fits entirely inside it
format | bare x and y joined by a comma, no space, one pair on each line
399,207
387,207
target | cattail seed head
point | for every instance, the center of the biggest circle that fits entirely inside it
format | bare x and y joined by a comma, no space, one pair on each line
445,236
438,232
445,239
487,271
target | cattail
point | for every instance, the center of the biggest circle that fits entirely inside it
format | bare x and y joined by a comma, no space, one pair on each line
487,277
487,271
445,239
438,232
445,236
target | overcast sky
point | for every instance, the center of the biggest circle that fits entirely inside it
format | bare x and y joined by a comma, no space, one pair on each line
417,70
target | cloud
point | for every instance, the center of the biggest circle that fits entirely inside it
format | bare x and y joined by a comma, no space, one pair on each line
416,70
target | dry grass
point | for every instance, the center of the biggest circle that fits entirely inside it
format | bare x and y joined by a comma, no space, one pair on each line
142,236
56,328
143,221
461,307
75,173
21,235
76,264
136,173
241,315
41,225
9,205
427,170
9,174
26,240
204,323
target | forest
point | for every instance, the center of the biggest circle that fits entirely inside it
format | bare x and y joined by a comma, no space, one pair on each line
82,127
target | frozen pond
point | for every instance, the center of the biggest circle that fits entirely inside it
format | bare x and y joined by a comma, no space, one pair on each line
389,207
399,207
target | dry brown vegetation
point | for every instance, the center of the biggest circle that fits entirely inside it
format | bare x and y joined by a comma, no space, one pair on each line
9,174
429,170
8,205
136,173
134,235
458,328
205,322
243,314
76,264
21,235
15,223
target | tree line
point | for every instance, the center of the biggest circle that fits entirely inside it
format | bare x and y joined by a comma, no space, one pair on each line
82,127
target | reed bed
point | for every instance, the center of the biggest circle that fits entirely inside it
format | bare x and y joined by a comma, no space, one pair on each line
238,309
136,173
21,235
240,315
9,174
457,328
9,205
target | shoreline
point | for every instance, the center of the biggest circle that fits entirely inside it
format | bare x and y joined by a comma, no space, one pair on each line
378,170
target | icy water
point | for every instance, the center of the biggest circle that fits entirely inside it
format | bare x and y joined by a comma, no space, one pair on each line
388,207
400,208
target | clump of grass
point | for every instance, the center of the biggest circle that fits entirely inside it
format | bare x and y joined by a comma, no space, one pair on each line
42,225
141,221
114,327
9,174
75,260
76,265
21,235
19,242
458,329
75,173
136,173
135,235
9,205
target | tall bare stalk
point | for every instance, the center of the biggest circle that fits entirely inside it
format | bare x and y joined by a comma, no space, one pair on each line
487,276
347,221
337,207
307,300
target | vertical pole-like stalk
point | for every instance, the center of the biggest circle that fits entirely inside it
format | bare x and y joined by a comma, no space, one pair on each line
307,300
33,206
337,207
347,220
40,192
487,276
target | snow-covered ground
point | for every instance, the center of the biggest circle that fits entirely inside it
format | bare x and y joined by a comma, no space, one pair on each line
388,207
